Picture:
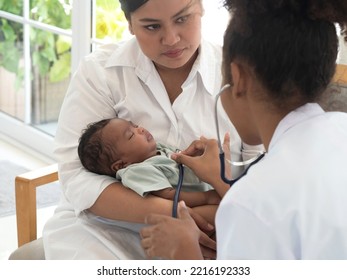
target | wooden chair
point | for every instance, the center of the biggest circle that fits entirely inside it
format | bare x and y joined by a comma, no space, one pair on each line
340,76
26,211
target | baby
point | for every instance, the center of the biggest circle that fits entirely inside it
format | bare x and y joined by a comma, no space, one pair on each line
128,152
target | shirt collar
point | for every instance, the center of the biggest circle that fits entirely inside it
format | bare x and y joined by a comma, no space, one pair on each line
205,66
295,117
129,54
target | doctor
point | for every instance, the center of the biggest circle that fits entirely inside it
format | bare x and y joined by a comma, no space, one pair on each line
165,78
279,58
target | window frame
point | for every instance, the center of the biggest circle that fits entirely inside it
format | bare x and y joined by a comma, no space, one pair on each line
17,131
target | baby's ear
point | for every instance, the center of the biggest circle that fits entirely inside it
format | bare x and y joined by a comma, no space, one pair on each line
115,166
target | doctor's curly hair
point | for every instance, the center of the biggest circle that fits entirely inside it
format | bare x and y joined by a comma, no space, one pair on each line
291,45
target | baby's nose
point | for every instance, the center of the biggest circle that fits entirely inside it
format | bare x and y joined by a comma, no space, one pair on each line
140,129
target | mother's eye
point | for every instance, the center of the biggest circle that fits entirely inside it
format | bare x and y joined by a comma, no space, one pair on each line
152,27
182,19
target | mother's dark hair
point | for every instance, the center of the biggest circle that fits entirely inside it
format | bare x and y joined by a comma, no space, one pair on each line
290,44
129,6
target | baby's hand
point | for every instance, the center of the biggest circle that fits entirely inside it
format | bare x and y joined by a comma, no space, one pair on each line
212,197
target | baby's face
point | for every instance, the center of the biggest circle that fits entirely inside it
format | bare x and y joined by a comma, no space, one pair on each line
132,143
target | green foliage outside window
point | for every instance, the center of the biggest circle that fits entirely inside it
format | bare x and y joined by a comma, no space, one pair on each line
51,54
110,20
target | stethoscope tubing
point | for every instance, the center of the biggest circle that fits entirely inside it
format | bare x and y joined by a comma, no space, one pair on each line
231,182
178,190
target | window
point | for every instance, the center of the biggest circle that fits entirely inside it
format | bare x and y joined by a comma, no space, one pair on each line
35,51
35,67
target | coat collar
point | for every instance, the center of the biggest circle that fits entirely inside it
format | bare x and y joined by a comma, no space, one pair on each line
294,118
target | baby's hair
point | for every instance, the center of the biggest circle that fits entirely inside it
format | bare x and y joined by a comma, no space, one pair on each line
291,45
95,155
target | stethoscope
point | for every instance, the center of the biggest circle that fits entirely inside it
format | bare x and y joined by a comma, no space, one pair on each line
222,159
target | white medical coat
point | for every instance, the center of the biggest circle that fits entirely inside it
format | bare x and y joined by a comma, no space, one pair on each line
293,203
119,80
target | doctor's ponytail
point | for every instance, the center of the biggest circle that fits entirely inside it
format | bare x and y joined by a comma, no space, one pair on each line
334,11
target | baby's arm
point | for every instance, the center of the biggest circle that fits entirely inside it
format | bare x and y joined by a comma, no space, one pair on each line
192,199
203,203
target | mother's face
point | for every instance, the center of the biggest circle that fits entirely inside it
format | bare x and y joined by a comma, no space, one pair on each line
168,32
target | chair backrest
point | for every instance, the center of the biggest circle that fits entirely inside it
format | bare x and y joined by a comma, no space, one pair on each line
26,210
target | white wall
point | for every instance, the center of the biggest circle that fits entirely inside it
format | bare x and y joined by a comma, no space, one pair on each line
214,21
342,55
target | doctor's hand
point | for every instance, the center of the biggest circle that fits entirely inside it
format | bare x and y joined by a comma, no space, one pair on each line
202,157
171,238
196,148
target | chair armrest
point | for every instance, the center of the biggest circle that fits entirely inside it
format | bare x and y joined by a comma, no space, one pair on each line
25,188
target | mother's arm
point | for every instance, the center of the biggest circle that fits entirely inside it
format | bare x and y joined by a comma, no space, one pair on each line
120,203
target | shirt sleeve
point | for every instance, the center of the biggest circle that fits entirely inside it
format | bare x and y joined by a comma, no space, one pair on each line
87,100
143,178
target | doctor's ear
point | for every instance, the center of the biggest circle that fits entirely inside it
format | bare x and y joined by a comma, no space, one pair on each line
239,78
